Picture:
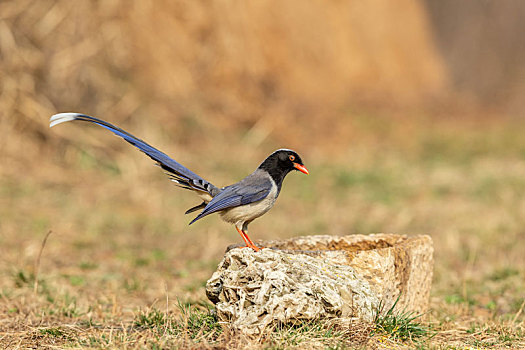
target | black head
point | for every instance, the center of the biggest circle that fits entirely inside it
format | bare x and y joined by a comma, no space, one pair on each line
281,162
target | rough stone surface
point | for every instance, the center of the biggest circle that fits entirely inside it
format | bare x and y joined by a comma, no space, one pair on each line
316,277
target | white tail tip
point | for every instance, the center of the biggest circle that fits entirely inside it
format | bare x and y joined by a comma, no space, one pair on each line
62,118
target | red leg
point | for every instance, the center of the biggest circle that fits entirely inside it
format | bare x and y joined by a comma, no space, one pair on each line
247,239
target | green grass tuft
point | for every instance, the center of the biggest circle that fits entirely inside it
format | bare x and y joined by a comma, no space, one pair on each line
400,325
195,323
153,319
54,332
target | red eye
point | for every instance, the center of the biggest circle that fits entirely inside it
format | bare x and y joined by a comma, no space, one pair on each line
292,157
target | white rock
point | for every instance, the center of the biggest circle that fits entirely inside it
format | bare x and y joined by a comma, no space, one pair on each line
321,277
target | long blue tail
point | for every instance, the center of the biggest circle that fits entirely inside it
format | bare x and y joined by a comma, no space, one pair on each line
178,173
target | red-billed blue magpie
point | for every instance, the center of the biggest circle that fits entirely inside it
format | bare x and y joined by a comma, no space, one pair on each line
238,204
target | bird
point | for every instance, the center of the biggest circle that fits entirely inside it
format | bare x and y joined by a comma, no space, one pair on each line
238,204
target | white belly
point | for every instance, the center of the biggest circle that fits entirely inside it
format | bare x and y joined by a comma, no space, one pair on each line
245,213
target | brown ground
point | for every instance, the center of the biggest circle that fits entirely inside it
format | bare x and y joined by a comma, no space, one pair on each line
388,149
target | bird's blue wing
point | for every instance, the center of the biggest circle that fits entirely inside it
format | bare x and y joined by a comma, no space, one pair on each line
234,196
178,173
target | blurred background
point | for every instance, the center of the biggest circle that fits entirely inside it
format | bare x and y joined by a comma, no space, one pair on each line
409,116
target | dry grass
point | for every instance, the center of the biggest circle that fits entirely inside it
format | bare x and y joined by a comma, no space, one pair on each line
121,247
121,266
